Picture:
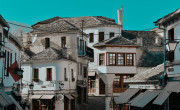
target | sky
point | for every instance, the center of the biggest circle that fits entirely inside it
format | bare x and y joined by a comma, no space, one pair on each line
137,14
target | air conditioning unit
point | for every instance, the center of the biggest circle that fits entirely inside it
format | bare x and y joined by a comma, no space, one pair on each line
60,97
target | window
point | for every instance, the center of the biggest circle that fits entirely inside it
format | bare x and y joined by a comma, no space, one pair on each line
49,74
171,34
101,59
72,75
85,72
120,59
111,34
117,83
77,43
36,75
47,43
11,59
63,42
5,59
112,59
65,75
7,74
1,39
129,59
81,44
101,36
91,39
15,57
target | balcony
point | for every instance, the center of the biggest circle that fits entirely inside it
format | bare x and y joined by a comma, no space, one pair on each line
86,53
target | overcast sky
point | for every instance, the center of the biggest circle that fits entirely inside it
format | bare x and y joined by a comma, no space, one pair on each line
138,14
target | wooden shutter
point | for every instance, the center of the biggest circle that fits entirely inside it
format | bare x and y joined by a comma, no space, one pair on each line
47,43
101,36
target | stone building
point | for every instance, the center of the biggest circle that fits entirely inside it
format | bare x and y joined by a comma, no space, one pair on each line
56,56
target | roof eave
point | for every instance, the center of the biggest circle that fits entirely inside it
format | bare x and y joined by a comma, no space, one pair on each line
4,23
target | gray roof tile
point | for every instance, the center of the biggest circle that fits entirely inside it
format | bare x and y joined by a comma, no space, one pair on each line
150,74
118,40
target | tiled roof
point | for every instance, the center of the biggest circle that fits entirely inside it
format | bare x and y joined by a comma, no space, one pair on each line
48,54
168,17
48,20
55,26
152,74
148,37
151,59
89,21
118,40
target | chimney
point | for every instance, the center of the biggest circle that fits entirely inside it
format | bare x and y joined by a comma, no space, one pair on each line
120,17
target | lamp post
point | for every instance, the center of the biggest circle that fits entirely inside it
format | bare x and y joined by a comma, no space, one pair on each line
19,72
31,86
171,45
61,85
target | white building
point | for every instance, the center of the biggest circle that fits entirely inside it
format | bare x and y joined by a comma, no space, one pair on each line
58,55
10,52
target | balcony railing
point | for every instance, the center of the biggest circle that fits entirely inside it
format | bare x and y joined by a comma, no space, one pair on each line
87,52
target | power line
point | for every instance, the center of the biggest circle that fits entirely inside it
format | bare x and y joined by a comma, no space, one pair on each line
60,32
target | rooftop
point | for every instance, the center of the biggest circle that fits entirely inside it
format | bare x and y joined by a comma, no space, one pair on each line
168,17
116,41
151,59
152,74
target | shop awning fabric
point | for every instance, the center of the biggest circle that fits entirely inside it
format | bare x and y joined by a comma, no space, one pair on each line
15,102
144,98
47,97
5,100
91,73
125,96
36,96
69,96
169,88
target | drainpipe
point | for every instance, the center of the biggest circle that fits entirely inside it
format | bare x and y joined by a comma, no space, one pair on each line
164,42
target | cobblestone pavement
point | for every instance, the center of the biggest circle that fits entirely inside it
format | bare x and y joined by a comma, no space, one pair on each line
94,103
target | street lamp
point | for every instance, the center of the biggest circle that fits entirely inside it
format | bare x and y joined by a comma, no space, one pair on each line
171,45
31,86
61,85
19,72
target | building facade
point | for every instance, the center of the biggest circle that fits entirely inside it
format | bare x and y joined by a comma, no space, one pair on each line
58,56
10,53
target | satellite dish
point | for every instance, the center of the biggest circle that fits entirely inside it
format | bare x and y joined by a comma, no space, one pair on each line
60,97
34,38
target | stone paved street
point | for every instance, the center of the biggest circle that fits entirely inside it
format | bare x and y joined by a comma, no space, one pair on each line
94,103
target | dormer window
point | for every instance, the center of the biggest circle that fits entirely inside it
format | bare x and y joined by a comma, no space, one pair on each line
47,43
63,42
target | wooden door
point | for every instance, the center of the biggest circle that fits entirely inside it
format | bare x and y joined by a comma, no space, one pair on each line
101,87
66,104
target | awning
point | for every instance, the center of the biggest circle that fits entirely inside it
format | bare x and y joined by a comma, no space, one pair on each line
75,95
47,96
82,85
125,96
144,98
91,73
69,96
5,100
36,96
170,87
15,102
